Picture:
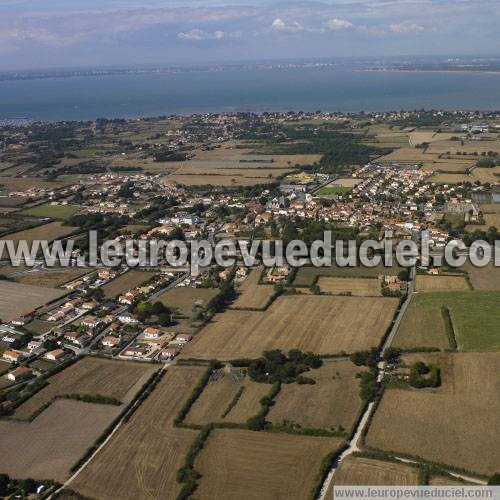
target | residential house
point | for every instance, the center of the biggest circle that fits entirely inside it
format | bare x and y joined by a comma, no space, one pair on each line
110,341
136,351
21,373
128,319
151,333
13,356
183,338
55,355
170,352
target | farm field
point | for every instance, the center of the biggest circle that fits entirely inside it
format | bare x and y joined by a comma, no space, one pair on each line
251,294
359,287
475,317
249,170
484,175
490,220
18,300
334,190
183,299
54,441
126,282
469,147
219,394
50,279
217,180
427,283
331,403
408,155
60,212
347,182
465,434
359,471
258,465
333,325
484,278
307,275
51,231
92,376
447,178
142,458
448,166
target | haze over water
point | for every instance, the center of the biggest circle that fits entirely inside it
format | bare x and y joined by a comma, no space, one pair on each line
306,89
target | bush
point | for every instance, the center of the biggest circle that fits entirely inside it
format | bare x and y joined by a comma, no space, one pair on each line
275,366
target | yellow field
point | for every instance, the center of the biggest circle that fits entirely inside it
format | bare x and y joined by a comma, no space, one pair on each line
408,155
491,175
332,402
217,180
491,220
469,146
183,299
218,395
455,424
251,294
50,279
54,441
448,166
238,464
358,287
441,283
49,232
91,376
324,325
18,300
142,458
358,471
442,178
126,282
484,278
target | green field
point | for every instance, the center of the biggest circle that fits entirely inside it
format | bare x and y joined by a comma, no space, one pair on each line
475,317
59,212
338,190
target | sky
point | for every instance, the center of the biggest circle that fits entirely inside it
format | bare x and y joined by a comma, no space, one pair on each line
73,33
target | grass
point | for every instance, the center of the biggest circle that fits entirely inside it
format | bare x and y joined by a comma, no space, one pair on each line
475,316
59,212
338,190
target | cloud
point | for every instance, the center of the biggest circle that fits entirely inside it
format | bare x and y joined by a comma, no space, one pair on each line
338,24
293,27
198,35
406,27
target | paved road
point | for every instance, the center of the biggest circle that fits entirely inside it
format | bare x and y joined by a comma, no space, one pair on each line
402,311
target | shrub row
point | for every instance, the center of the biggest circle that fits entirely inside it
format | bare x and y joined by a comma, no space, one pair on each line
187,474
196,393
125,415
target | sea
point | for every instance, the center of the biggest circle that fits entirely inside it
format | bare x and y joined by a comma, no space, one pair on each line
251,90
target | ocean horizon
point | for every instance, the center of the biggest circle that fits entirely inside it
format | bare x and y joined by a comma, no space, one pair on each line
250,90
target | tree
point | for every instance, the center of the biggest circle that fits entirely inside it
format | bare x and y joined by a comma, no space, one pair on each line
494,480
28,486
4,484
256,423
165,319
159,308
392,355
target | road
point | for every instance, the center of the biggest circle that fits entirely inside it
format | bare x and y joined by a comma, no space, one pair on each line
101,446
402,312
355,443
